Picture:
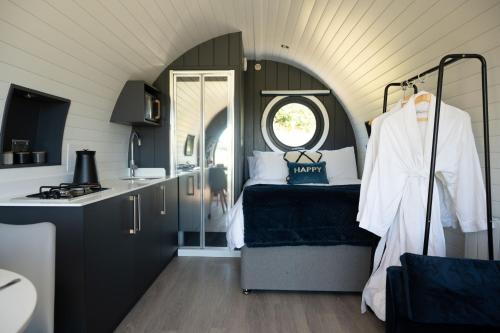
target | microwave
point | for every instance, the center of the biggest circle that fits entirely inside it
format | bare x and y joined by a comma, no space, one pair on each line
152,110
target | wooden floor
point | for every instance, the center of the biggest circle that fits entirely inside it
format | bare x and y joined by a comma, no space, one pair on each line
203,295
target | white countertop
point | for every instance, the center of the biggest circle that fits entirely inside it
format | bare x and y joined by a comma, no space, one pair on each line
17,302
115,187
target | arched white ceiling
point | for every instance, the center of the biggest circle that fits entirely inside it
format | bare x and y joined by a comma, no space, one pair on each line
354,46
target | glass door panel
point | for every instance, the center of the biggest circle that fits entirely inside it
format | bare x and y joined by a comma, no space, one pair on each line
218,158
187,103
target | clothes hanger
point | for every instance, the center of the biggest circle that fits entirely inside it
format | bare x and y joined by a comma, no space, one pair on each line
404,86
404,100
423,97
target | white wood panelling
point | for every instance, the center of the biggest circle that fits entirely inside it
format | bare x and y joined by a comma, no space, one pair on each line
86,50
46,50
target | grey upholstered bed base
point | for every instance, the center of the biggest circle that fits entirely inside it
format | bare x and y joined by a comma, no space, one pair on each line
343,268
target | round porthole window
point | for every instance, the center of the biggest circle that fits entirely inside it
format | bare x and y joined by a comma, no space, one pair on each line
295,122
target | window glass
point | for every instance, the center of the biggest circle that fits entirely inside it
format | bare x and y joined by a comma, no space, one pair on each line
294,124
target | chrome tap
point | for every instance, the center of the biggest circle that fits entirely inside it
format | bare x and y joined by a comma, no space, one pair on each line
132,164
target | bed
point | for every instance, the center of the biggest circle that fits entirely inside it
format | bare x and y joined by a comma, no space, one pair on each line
283,253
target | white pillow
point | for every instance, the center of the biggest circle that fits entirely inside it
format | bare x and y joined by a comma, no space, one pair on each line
270,166
340,163
251,166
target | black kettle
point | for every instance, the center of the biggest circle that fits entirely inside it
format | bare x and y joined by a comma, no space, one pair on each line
85,168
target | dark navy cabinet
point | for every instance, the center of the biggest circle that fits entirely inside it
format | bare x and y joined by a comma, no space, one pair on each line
169,219
146,239
109,263
138,105
107,253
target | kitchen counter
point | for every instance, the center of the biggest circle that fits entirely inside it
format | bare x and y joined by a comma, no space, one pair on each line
115,187
110,247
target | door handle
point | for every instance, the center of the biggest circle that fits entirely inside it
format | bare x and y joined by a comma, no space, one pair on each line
190,185
164,199
133,231
139,208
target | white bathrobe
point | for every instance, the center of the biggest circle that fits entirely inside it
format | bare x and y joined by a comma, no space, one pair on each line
396,196
371,156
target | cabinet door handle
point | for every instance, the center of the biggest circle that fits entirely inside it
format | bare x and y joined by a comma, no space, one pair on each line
133,231
190,185
139,208
164,199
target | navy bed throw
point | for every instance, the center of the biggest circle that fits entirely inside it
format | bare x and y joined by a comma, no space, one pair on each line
287,215
443,294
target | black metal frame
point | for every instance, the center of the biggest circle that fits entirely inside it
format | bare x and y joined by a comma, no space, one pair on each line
445,61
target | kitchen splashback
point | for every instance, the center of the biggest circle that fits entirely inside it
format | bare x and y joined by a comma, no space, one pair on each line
110,165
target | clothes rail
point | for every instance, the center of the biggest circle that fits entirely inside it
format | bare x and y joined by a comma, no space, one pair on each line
445,61
412,79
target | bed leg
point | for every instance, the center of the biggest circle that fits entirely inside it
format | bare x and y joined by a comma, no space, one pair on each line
245,291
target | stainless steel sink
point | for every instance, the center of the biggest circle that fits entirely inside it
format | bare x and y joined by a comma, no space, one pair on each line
140,178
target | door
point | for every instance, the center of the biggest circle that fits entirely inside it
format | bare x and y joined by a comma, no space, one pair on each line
166,209
169,220
109,265
185,142
147,244
203,142
218,158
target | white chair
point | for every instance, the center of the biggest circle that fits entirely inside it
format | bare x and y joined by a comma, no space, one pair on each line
30,251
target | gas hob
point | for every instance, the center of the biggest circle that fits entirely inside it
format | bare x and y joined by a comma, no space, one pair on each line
66,191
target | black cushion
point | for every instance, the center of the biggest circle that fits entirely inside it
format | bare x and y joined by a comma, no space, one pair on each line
451,290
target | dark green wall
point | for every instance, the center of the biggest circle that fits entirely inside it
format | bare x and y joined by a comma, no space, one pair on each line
279,76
